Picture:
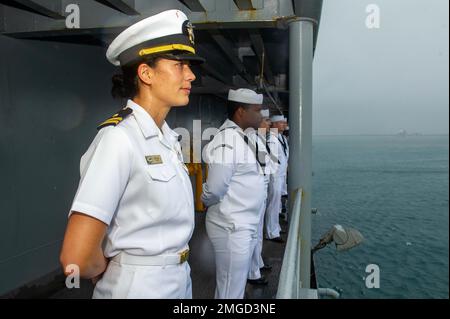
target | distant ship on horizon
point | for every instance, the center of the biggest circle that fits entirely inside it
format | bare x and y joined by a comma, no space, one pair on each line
404,133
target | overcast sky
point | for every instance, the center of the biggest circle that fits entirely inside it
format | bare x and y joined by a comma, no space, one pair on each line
379,81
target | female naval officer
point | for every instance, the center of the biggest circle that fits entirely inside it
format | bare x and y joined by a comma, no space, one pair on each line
133,214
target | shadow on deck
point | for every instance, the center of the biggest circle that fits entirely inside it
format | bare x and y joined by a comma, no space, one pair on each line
202,264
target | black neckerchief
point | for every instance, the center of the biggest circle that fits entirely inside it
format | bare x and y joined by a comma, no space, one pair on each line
272,157
245,137
284,144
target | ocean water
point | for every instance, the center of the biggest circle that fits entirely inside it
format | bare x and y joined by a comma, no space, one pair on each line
394,190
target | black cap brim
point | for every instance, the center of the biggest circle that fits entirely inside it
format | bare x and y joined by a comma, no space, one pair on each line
185,56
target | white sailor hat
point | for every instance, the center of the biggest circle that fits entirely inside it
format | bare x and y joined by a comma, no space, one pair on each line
168,33
246,96
265,113
277,118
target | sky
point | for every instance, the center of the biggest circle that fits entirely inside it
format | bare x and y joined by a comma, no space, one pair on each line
381,81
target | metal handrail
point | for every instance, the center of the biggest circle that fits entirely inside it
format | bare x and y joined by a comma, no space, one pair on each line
289,283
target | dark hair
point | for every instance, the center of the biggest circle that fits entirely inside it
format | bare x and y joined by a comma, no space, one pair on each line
126,85
232,107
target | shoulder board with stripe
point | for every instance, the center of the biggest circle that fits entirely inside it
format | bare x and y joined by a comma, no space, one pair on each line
116,118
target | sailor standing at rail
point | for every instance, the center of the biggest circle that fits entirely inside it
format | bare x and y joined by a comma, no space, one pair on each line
285,144
285,154
125,231
269,162
234,194
278,180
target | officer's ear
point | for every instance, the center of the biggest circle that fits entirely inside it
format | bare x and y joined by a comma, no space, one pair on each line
145,73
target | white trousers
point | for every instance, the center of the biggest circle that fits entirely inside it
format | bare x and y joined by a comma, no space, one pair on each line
122,281
257,261
233,250
274,207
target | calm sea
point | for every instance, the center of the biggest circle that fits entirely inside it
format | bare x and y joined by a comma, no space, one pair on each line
395,191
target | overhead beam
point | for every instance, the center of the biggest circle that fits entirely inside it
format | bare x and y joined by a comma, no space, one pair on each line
219,14
194,5
33,7
124,6
227,48
245,4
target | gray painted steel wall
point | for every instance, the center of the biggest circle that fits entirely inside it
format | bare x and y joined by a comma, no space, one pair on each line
52,97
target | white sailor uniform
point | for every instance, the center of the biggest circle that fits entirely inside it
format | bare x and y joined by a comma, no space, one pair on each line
284,159
129,176
276,185
257,262
234,194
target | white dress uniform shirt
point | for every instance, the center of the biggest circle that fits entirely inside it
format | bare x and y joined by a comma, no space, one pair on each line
259,142
257,261
234,194
276,186
234,190
283,151
285,159
129,175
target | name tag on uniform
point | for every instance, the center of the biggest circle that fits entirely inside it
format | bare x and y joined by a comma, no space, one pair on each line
153,159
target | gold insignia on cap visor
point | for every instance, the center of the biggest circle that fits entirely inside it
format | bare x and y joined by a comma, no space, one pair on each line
164,48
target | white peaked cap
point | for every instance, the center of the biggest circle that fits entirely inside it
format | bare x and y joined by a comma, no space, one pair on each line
277,118
165,32
265,113
246,96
